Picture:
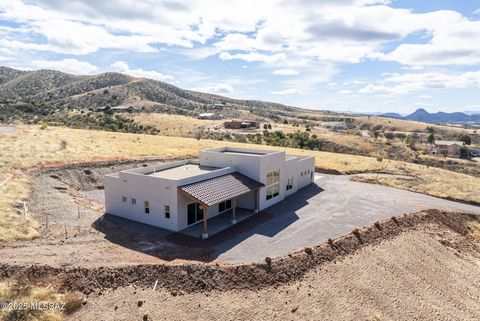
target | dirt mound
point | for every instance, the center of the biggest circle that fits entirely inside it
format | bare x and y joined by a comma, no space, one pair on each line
84,176
206,277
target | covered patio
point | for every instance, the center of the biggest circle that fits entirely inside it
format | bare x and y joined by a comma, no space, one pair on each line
218,223
213,191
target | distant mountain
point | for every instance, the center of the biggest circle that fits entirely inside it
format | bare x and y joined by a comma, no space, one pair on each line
472,112
60,90
442,117
391,115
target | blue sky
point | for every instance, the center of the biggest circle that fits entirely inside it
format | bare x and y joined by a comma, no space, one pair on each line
344,55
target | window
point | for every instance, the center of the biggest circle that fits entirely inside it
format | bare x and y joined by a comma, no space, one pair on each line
194,213
167,211
289,183
311,175
273,184
134,200
147,207
124,199
224,206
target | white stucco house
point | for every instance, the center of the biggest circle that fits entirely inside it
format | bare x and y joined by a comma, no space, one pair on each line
180,194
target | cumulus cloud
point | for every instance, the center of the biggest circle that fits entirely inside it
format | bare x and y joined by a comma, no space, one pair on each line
220,89
276,31
344,92
286,72
254,56
414,82
123,67
290,91
72,66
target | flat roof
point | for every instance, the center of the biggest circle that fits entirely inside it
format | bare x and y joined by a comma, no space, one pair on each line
242,151
182,171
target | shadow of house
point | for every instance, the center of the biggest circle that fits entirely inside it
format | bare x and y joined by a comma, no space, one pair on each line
168,245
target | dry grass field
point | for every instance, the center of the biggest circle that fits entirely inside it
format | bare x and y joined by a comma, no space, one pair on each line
60,304
32,146
174,125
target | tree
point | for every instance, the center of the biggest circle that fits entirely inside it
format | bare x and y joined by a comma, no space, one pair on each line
431,138
265,126
464,138
269,126
463,152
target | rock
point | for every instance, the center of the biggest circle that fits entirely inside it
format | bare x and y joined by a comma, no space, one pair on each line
139,303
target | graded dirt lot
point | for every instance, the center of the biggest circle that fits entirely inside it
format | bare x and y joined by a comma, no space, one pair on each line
427,272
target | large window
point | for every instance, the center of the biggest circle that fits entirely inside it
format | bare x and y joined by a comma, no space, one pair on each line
289,183
273,184
224,206
194,213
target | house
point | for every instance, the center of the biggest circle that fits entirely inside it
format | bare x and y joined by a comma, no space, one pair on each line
450,148
180,194
119,109
334,125
123,109
241,124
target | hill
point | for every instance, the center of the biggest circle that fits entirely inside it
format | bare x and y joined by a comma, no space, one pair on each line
61,91
440,117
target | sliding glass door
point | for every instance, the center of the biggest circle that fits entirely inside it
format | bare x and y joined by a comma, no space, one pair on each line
194,213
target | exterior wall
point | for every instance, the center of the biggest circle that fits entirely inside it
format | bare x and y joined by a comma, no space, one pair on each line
306,166
237,124
247,201
157,192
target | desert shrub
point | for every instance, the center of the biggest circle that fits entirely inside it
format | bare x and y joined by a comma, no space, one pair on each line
464,138
63,144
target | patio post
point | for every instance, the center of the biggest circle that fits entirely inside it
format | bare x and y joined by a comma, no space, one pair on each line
257,199
205,227
234,205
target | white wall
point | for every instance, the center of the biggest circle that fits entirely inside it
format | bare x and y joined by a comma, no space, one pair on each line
157,192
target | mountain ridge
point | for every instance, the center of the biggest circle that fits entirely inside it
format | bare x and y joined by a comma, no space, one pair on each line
422,115
62,90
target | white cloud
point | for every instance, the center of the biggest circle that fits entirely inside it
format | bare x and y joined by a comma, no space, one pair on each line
425,97
276,32
220,89
344,92
123,67
286,72
72,66
415,82
254,56
476,11
291,91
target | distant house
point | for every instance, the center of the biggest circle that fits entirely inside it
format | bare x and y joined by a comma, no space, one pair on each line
334,125
209,116
241,124
124,109
119,109
450,148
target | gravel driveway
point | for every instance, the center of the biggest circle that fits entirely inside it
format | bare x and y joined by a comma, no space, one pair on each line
331,207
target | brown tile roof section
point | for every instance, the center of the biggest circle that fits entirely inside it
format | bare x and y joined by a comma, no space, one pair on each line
215,190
